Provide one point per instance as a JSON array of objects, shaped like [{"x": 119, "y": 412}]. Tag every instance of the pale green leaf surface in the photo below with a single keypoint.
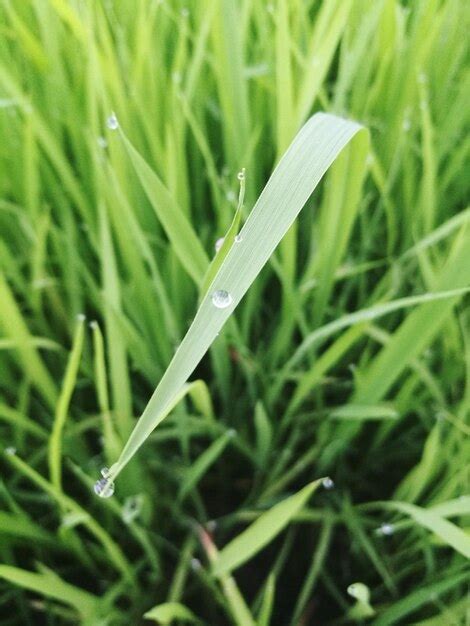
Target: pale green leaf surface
[
  {"x": 311, "y": 153},
  {"x": 164, "y": 613},
  {"x": 451, "y": 534}
]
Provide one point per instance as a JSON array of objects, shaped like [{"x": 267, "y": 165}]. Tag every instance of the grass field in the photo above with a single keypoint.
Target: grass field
[{"x": 308, "y": 463}]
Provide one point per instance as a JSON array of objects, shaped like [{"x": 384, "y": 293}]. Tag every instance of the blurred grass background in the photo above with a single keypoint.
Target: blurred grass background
[{"x": 203, "y": 89}]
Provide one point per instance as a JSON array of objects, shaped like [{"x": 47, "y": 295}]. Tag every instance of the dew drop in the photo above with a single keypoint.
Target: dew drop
[
  {"x": 231, "y": 196},
  {"x": 221, "y": 299},
  {"x": 241, "y": 174},
  {"x": 104, "y": 488},
  {"x": 195, "y": 564},
  {"x": 219, "y": 243},
  {"x": 81, "y": 317},
  {"x": 102, "y": 143},
  {"x": 112, "y": 122},
  {"x": 238, "y": 238},
  {"x": 328, "y": 483},
  {"x": 132, "y": 508},
  {"x": 386, "y": 529},
  {"x": 406, "y": 125},
  {"x": 10, "y": 451},
  {"x": 211, "y": 525}
]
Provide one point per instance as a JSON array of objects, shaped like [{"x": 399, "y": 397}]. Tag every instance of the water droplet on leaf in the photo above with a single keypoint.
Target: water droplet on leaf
[
  {"x": 386, "y": 529},
  {"x": 328, "y": 483},
  {"x": 221, "y": 299},
  {"x": 104, "y": 488},
  {"x": 112, "y": 122}
]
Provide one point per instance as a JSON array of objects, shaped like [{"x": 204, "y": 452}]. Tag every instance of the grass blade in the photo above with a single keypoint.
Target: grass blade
[
  {"x": 262, "y": 531},
  {"x": 311, "y": 153}
]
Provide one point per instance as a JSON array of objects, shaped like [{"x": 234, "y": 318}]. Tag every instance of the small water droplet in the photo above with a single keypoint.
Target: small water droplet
[
  {"x": 185, "y": 12},
  {"x": 221, "y": 299},
  {"x": 105, "y": 472},
  {"x": 102, "y": 143},
  {"x": 241, "y": 174},
  {"x": 238, "y": 238},
  {"x": 176, "y": 77},
  {"x": 10, "y": 451},
  {"x": 196, "y": 564},
  {"x": 231, "y": 196},
  {"x": 328, "y": 483},
  {"x": 132, "y": 508},
  {"x": 211, "y": 525},
  {"x": 386, "y": 529},
  {"x": 81, "y": 317},
  {"x": 406, "y": 125},
  {"x": 231, "y": 433},
  {"x": 93, "y": 324},
  {"x": 104, "y": 488},
  {"x": 219, "y": 243},
  {"x": 112, "y": 122}
]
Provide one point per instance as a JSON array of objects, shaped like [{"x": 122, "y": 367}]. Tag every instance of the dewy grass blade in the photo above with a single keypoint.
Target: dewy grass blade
[{"x": 307, "y": 159}]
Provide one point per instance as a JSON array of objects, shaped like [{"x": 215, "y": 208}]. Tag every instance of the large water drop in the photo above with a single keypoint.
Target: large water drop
[{"x": 221, "y": 299}]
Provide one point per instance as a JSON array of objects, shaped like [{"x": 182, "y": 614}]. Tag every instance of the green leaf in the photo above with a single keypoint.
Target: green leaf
[
  {"x": 266, "y": 610},
  {"x": 364, "y": 412},
  {"x": 229, "y": 239},
  {"x": 48, "y": 584},
  {"x": 263, "y": 433},
  {"x": 451, "y": 534},
  {"x": 309, "y": 156},
  {"x": 262, "y": 531},
  {"x": 165, "y": 613},
  {"x": 182, "y": 237},
  {"x": 203, "y": 463},
  {"x": 403, "y": 607},
  {"x": 68, "y": 385}
]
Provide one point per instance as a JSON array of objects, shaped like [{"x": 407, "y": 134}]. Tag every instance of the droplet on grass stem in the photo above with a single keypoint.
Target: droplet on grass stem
[
  {"x": 328, "y": 483},
  {"x": 219, "y": 243},
  {"x": 221, "y": 299},
  {"x": 104, "y": 487},
  {"x": 112, "y": 122},
  {"x": 238, "y": 238},
  {"x": 195, "y": 564},
  {"x": 386, "y": 529}
]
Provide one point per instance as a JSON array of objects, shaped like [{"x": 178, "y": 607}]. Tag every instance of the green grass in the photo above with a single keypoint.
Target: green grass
[{"x": 348, "y": 357}]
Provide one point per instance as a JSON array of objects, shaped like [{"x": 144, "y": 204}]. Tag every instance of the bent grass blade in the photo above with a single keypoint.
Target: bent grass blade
[{"x": 300, "y": 170}]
